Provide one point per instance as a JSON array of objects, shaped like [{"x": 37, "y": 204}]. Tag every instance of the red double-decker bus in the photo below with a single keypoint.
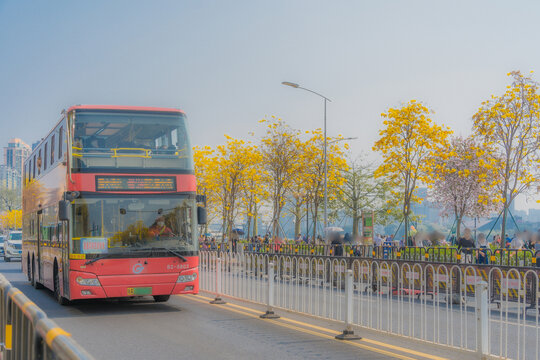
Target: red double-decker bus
[{"x": 110, "y": 207}]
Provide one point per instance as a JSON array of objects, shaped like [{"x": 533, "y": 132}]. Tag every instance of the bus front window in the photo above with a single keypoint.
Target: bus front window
[
  {"x": 124, "y": 139},
  {"x": 122, "y": 224}
]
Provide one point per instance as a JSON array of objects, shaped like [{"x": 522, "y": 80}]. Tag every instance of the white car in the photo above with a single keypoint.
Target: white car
[{"x": 13, "y": 246}]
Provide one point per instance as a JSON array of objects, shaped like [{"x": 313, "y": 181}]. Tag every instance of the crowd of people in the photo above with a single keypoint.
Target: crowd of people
[{"x": 520, "y": 241}]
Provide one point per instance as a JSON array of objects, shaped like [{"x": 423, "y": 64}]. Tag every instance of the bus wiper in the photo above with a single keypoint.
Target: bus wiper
[
  {"x": 175, "y": 253},
  {"x": 97, "y": 258}
]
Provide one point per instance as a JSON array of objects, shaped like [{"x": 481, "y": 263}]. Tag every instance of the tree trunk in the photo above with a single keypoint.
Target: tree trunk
[
  {"x": 298, "y": 220},
  {"x": 315, "y": 213},
  {"x": 458, "y": 228},
  {"x": 407, "y": 242},
  {"x": 248, "y": 226},
  {"x": 356, "y": 218},
  {"x": 224, "y": 226},
  {"x": 503, "y": 226},
  {"x": 255, "y": 225},
  {"x": 275, "y": 219},
  {"x": 307, "y": 218}
]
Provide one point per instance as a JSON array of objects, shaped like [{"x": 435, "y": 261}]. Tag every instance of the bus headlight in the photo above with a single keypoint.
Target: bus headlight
[
  {"x": 186, "y": 278},
  {"x": 87, "y": 282}
]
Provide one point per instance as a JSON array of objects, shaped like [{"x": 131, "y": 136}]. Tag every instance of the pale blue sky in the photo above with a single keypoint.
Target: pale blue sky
[{"x": 223, "y": 61}]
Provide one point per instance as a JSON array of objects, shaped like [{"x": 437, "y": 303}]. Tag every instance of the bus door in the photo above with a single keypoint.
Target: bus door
[
  {"x": 39, "y": 241},
  {"x": 63, "y": 236}
]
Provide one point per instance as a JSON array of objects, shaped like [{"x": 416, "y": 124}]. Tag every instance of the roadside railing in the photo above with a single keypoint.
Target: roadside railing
[
  {"x": 437, "y": 254},
  {"x": 27, "y": 333},
  {"x": 491, "y": 310}
]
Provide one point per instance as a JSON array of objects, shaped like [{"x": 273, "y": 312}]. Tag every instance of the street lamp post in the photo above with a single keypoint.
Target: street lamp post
[{"x": 325, "y": 164}]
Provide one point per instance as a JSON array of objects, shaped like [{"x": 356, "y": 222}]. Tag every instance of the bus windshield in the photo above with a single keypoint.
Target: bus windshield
[
  {"x": 121, "y": 224},
  {"x": 130, "y": 139}
]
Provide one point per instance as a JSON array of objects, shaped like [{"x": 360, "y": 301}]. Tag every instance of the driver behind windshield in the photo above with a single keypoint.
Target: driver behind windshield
[{"x": 159, "y": 228}]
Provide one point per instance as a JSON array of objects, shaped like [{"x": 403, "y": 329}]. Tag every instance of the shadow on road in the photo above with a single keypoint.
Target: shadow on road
[
  {"x": 44, "y": 298},
  {"x": 145, "y": 305},
  {"x": 11, "y": 271}
]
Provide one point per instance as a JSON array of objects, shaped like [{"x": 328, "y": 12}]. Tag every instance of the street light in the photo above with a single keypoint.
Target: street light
[
  {"x": 296, "y": 86},
  {"x": 343, "y": 139}
]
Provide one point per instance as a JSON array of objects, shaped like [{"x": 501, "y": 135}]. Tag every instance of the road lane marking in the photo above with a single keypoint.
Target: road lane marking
[
  {"x": 374, "y": 342},
  {"x": 296, "y": 328}
]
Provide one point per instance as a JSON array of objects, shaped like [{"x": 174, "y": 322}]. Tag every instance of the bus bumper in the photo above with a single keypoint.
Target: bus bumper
[{"x": 118, "y": 286}]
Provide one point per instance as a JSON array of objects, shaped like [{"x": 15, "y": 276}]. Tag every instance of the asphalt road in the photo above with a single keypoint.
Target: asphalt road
[{"x": 186, "y": 327}]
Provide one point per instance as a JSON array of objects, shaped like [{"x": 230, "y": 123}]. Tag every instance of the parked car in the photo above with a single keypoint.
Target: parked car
[
  {"x": 2, "y": 238},
  {"x": 13, "y": 246}
]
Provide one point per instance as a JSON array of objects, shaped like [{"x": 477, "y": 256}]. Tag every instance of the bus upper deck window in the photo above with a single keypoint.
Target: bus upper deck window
[
  {"x": 45, "y": 157},
  {"x": 52, "y": 149},
  {"x": 60, "y": 136},
  {"x": 39, "y": 162}
]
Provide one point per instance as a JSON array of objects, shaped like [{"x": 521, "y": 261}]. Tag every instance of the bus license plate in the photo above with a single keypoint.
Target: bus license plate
[{"x": 139, "y": 291}]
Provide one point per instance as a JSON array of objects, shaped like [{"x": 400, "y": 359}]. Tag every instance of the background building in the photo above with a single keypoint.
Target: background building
[
  {"x": 9, "y": 177},
  {"x": 15, "y": 153}
]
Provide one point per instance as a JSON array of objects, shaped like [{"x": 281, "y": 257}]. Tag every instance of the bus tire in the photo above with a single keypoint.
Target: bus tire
[
  {"x": 161, "y": 298},
  {"x": 34, "y": 282},
  {"x": 59, "y": 298},
  {"x": 28, "y": 269}
]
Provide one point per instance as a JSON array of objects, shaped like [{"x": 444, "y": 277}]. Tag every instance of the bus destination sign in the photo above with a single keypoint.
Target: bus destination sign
[{"x": 135, "y": 183}]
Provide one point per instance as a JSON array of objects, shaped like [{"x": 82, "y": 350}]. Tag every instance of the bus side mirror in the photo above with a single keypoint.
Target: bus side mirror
[
  {"x": 63, "y": 210},
  {"x": 201, "y": 215}
]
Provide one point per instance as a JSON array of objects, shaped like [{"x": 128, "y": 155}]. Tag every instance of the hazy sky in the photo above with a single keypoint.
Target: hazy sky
[{"x": 223, "y": 61}]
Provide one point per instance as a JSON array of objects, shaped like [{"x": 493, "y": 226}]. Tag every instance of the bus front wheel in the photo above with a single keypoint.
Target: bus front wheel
[
  {"x": 59, "y": 298},
  {"x": 161, "y": 298}
]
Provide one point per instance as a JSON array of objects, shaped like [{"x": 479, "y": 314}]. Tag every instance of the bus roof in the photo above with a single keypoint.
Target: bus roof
[{"x": 124, "y": 108}]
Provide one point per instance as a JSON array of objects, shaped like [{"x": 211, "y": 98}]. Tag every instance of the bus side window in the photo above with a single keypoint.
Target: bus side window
[
  {"x": 34, "y": 168},
  {"x": 39, "y": 161},
  {"x": 60, "y": 136},
  {"x": 52, "y": 149},
  {"x": 45, "y": 157}
]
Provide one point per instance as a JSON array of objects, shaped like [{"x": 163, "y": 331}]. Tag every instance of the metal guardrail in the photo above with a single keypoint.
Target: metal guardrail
[
  {"x": 492, "y": 312},
  {"x": 437, "y": 254},
  {"x": 27, "y": 333}
]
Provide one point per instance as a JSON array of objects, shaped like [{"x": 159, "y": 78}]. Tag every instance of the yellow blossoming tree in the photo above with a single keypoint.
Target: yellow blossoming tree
[
  {"x": 279, "y": 158},
  {"x": 313, "y": 152},
  {"x": 11, "y": 219},
  {"x": 510, "y": 124},
  {"x": 408, "y": 144}
]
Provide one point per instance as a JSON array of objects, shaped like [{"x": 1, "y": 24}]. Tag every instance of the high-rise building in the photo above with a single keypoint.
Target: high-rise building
[
  {"x": 14, "y": 156},
  {"x": 15, "y": 153},
  {"x": 10, "y": 178}
]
